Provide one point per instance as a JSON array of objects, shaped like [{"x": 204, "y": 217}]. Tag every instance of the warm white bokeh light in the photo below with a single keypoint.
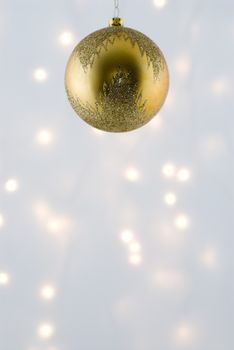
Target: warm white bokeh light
[
  {"x": 183, "y": 174},
  {"x": 168, "y": 170},
  {"x": 46, "y": 330},
  {"x": 44, "y": 137},
  {"x": 11, "y": 185},
  {"x": 2, "y": 220},
  {"x": 182, "y": 222},
  {"x": 208, "y": 258},
  {"x": 168, "y": 279},
  {"x": 40, "y": 74},
  {"x": 132, "y": 174},
  {"x": 58, "y": 224},
  {"x": 66, "y": 38},
  {"x": 135, "y": 259},
  {"x": 183, "y": 65},
  {"x": 4, "y": 278},
  {"x": 170, "y": 198},
  {"x": 184, "y": 334},
  {"x": 48, "y": 292},
  {"x": 220, "y": 86},
  {"x": 126, "y": 236},
  {"x": 160, "y": 3}
]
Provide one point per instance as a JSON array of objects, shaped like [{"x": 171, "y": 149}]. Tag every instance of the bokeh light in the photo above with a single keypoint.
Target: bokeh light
[
  {"x": 132, "y": 174},
  {"x": 66, "y": 38},
  {"x": 48, "y": 292},
  {"x": 44, "y": 137},
  {"x": 168, "y": 170},
  {"x": 135, "y": 259},
  {"x": 46, "y": 330},
  {"x": 2, "y": 220},
  {"x": 126, "y": 236},
  {"x": 183, "y": 174},
  {"x": 170, "y": 198},
  {"x": 160, "y": 3},
  {"x": 182, "y": 222},
  {"x": 12, "y": 185},
  {"x": 40, "y": 75},
  {"x": 4, "y": 278}
]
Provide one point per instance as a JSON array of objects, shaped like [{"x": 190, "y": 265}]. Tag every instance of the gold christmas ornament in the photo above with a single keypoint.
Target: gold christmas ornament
[{"x": 116, "y": 78}]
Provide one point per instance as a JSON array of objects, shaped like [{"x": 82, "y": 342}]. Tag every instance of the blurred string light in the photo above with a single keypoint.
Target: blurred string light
[
  {"x": 134, "y": 247},
  {"x": 208, "y": 258},
  {"x": 2, "y": 220},
  {"x": 168, "y": 170},
  {"x": 4, "y": 278},
  {"x": 47, "y": 292},
  {"x": 66, "y": 38},
  {"x": 182, "y": 65},
  {"x": 44, "y": 137},
  {"x": 11, "y": 185},
  {"x": 46, "y": 330},
  {"x": 220, "y": 86},
  {"x": 160, "y": 3},
  {"x": 170, "y": 198},
  {"x": 135, "y": 259},
  {"x": 184, "y": 334},
  {"x": 40, "y": 74},
  {"x": 182, "y": 222},
  {"x": 132, "y": 174},
  {"x": 183, "y": 174},
  {"x": 126, "y": 236},
  {"x": 168, "y": 279}
]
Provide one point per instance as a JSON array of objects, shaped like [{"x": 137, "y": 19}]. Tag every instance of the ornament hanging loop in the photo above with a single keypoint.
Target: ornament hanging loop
[{"x": 116, "y": 9}]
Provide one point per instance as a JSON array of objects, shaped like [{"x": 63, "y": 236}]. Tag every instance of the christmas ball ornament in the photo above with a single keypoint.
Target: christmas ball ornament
[{"x": 116, "y": 78}]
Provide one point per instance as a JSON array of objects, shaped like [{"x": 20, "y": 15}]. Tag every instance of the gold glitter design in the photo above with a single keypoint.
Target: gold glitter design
[
  {"x": 120, "y": 100},
  {"x": 91, "y": 46}
]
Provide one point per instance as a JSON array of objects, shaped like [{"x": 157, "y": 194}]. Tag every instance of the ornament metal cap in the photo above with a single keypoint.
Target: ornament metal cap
[{"x": 116, "y": 22}]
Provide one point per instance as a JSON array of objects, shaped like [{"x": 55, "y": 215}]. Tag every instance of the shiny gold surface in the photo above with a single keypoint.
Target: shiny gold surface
[
  {"x": 116, "y": 21},
  {"x": 116, "y": 79}
]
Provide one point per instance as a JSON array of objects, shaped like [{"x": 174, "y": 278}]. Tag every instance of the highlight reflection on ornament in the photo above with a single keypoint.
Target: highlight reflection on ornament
[{"x": 116, "y": 78}]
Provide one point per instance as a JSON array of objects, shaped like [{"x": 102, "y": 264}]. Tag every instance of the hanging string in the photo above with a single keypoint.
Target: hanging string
[{"x": 116, "y": 10}]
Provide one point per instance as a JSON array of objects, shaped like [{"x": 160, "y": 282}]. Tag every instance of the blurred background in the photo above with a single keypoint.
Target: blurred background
[{"x": 116, "y": 241}]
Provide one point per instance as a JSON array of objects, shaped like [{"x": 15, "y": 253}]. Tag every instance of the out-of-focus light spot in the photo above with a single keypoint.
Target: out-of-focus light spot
[
  {"x": 44, "y": 137},
  {"x": 132, "y": 174},
  {"x": 66, "y": 38},
  {"x": 47, "y": 292},
  {"x": 208, "y": 258},
  {"x": 134, "y": 247},
  {"x": 11, "y": 185},
  {"x": 135, "y": 259},
  {"x": 184, "y": 334},
  {"x": 168, "y": 170},
  {"x": 160, "y": 3},
  {"x": 182, "y": 222},
  {"x": 220, "y": 86},
  {"x": 170, "y": 198},
  {"x": 40, "y": 74},
  {"x": 169, "y": 279},
  {"x": 126, "y": 236},
  {"x": 41, "y": 210},
  {"x": 183, "y": 174},
  {"x": 183, "y": 65},
  {"x": 2, "y": 221},
  {"x": 4, "y": 278},
  {"x": 46, "y": 330},
  {"x": 58, "y": 224}
]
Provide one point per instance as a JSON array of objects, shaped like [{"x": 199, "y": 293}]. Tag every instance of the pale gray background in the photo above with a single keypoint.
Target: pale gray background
[{"x": 63, "y": 225}]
